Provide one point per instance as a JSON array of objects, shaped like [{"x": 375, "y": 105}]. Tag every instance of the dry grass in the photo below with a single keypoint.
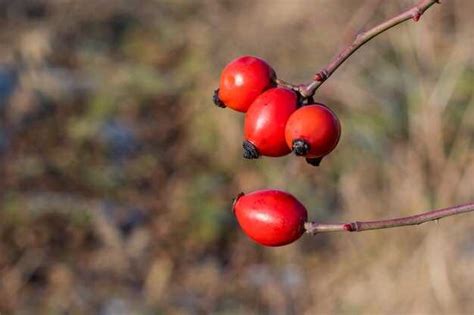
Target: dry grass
[{"x": 117, "y": 172}]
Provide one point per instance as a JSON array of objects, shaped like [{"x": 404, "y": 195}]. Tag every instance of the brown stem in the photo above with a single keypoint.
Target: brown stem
[
  {"x": 413, "y": 13},
  {"x": 288, "y": 85},
  {"x": 359, "y": 226}
]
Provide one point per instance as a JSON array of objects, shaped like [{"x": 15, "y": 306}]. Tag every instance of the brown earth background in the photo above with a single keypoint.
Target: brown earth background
[{"x": 117, "y": 172}]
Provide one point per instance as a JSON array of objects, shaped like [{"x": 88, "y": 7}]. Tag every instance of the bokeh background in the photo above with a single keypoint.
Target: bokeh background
[{"x": 118, "y": 172}]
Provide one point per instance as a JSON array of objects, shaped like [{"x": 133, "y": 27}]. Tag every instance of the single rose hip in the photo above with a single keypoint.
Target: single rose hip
[
  {"x": 313, "y": 131},
  {"x": 242, "y": 80},
  {"x": 270, "y": 217},
  {"x": 265, "y": 123}
]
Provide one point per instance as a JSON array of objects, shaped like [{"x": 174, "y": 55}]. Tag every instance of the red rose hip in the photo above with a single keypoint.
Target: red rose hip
[
  {"x": 265, "y": 123},
  {"x": 242, "y": 80},
  {"x": 313, "y": 131},
  {"x": 270, "y": 217}
]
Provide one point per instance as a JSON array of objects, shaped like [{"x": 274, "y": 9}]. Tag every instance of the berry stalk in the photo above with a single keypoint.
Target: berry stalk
[{"x": 359, "y": 226}]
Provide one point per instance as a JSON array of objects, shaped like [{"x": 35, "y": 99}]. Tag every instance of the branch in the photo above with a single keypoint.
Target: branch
[
  {"x": 413, "y": 13},
  {"x": 359, "y": 226}
]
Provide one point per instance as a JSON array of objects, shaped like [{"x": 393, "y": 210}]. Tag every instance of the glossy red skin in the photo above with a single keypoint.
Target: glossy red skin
[
  {"x": 266, "y": 119},
  {"x": 271, "y": 217},
  {"x": 242, "y": 80},
  {"x": 317, "y": 125}
]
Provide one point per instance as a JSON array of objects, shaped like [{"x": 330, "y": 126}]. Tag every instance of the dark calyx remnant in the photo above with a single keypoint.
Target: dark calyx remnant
[
  {"x": 217, "y": 100},
  {"x": 300, "y": 147},
  {"x": 304, "y": 100},
  {"x": 236, "y": 199},
  {"x": 314, "y": 161},
  {"x": 250, "y": 151}
]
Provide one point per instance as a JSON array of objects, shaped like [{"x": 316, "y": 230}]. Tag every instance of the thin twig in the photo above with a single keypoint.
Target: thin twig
[
  {"x": 359, "y": 226},
  {"x": 288, "y": 85},
  {"x": 413, "y": 13}
]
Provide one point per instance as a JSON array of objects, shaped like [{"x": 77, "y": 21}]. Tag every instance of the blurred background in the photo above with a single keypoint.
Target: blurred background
[{"x": 117, "y": 172}]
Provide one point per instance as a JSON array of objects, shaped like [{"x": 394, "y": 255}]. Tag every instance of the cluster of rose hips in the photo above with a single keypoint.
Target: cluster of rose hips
[{"x": 278, "y": 120}]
